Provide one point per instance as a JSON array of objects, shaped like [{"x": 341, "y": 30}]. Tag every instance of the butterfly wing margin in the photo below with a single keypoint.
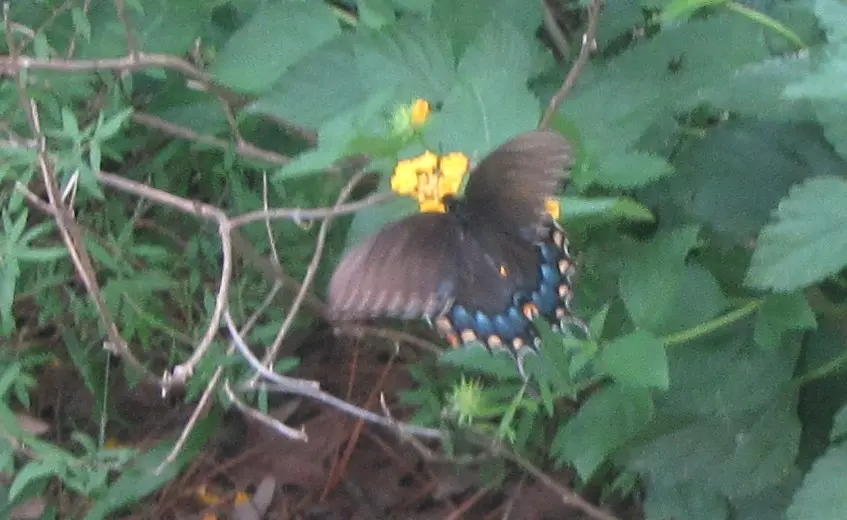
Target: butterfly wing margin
[
  {"x": 510, "y": 187},
  {"x": 407, "y": 269}
]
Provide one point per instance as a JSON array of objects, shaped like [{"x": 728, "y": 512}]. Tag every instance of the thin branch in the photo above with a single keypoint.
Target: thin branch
[
  {"x": 212, "y": 385},
  {"x": 554, "y": 31},
  {"x": 244, "y": 148},
  {"x": 311, "y": 271},
  {"x": 277, "y": 383},
  {"x": 589, "y": 44},
  {"x": 131, "y": 42}
]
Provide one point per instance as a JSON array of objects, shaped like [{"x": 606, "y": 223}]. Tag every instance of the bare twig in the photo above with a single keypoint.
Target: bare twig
[
  {"x": 589, "y": 43},
  {"x": 299, "y": 215},
  {"x": 244, "y": 148},
  {"x": 554, "y": 31},
  {"x": 213, "y": 383},
  {"x": 311, "y": 271},
  {"x": 277, "y": 383},
  {"x": 131, "y": 42}
]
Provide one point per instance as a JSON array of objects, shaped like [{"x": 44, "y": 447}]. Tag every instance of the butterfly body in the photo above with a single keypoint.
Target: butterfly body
[{"x": 482, "y": 270}]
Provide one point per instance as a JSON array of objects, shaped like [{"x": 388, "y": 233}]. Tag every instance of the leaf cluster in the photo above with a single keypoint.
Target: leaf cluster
[{"x": 708, "y": 207}]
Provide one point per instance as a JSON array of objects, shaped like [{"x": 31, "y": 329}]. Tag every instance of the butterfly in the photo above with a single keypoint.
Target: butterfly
[{"x": 481, "y": 271}]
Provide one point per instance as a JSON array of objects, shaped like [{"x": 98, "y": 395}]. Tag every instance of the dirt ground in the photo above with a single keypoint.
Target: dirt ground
[{"x": 347, "y": 470}]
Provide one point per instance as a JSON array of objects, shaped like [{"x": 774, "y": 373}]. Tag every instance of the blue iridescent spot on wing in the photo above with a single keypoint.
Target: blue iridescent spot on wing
[{"x": 512, "y": 328}]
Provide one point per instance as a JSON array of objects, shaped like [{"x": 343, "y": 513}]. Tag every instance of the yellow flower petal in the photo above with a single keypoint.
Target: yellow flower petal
[
  {"x": 426, "y": 161},
  {"x": 454, "y": 166},
  {"x": 420, "y": 112},
  {"x": 429, "y": 205},
  {"x": 405, "y": 178},
  {"x": 553, "y": 208}
]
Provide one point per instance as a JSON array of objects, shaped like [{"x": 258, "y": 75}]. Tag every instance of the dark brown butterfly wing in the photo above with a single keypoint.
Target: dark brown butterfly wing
[
  {"x": 509, "y": 188},
  {"x": 493, "y": 265},
  {"x": 408, "y": 269}
]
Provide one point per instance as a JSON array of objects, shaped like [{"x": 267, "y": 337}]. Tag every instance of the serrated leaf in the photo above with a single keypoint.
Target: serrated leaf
[
  {"x": 808, "y": 242},
  {"x": 822, "y": 496},
  {"x": 832, "y": 14},
  {"x": 637, "y": 360},
  {"x": 276, "y": 37},
  {"x": 714, "y": 173},
  {"x": 491, "y": 101},
  {"x": 734, "y": 456},
  {"x": 650, "y": 280},
  {"x": 757, "y": 89},
  {"x": 462, "y": 21},
  {"x": 606, "y": 421},
  {"x": 781, "y": 313},
  {"x": 658, "y": 78},
  {"x": 829, "y": 81},
  {"x": 411, "y": 56}
]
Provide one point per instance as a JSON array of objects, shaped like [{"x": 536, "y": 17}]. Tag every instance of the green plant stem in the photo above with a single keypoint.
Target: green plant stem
[
  {"x": 767, "y": 21},
  {"x": 713, "y": 325},
  {"x": 822, "y": 371}
]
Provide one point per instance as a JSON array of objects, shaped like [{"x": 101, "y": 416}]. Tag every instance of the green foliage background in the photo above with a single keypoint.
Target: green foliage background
[{"x": 708, "y": 206}]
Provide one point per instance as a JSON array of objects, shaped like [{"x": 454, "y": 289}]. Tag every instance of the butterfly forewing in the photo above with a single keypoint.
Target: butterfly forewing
[
  {"x": 408, "y": 269},
  {"x": 509, "y": 188}
]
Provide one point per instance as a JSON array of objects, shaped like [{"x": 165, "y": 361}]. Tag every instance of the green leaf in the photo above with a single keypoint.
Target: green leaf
[
  {"x": 411, "y": 56},
  {"x": 491, "y": 101},
  {"x": 163, "y": 26},
  {"x": 682, "y": 8},
  {"x": 832, "y": 14},
  {"x": 604, "y": 423},
  {"x": 32, "y": 471},
  {"x": 637, "y": 360},
  {"x": 822, "y": 496},
  {"x": 140, "y": 478},
  {"x": 309, "y": 93},
  {"x": 839, "y": 425},
  {"x": 734, "y": 456},
  {"x": 699, "y": 298},
  {"x": 652, "y": 276},
  {"x": 375, "y": 13},
  {"x": 714, "y": 173},
  {"x": 464, "y": 20},
  {"x": 656, "y": 79},
  {"x": 809, "y": 240},
  {"x": 781, "y": 313},
  {"x": 111, "y": 127},
  {"x": 687, "y": 501},
  {"x": 339, "y": 134},
  {"x": 604, "y": 208},
  {"x": 276, "y": 37},
  {"x": 630, "y": 169}
]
